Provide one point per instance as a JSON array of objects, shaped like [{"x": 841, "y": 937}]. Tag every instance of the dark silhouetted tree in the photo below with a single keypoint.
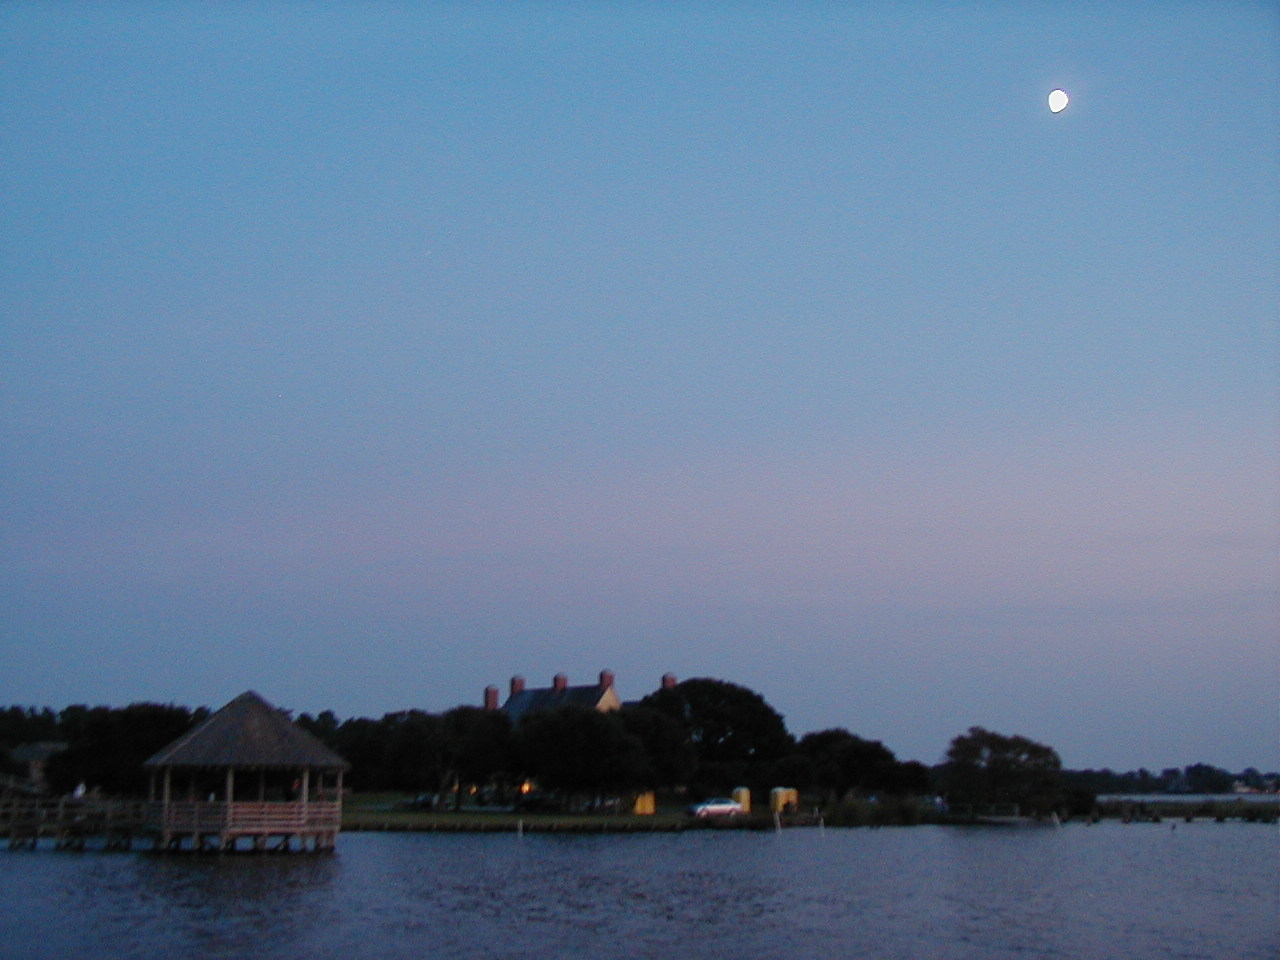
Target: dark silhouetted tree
[
  {"x": 737, "y": 738},
  {"x": 19, "y": 725},
  {"x": 107, "y": 746},
  {"x": 578, "y": 751},
  {"x": 840, "y": 762},
  {"x": 987, "y": 767},
  {"x": 415, "y": 751},
  {"x": 910, "y": 778},
  {"x": 362, "y": 742},
  {"x": 480, "y": 749},
  {"x": 323, "y": 727},
  {"x": 1203, "y": 778},
  {"x": 668, "y": 754}
]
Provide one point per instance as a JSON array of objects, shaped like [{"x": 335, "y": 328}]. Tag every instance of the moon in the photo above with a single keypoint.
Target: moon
[{"x": 1058, "y": 101}]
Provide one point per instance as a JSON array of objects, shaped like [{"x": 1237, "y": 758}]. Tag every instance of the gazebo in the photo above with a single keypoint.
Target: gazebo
[{"x": 246, "y": 772}]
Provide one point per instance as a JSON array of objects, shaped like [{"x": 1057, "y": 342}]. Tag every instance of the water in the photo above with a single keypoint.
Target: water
[
  {"x": 1191, "y": 799},
  {"x": 1200, "y": 890}
]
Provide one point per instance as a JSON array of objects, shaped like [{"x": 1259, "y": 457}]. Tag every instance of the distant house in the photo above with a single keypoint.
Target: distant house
[
  {"x": 523, "y": 700},
  {"x": 36, "y": 756},
  {"x": 246, "y": 772}
]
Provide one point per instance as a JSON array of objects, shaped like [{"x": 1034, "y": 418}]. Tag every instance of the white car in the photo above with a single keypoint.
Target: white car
[{"x": 717, "y": 807}]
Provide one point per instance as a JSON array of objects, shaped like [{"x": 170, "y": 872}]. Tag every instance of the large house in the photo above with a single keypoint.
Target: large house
[{"x": 523, "y": 700}]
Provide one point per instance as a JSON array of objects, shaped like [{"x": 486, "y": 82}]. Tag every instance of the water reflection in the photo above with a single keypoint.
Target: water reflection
[
  {"x": 1143, "y": 892},
  {"x": 227, "y": 906}
]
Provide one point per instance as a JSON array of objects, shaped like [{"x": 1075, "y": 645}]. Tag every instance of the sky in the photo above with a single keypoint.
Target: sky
[{"x": 366, "y": 354}]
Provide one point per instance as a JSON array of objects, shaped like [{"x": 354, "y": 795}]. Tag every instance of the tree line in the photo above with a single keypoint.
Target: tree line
[
  {"x": 1196, "y": 778},
  {"x": 704, "y": 736}
]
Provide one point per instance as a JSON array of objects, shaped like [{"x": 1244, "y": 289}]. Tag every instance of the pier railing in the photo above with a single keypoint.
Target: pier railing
[
  {"x": 244, "y": 818},
  {"x": 24, "y": 820}
]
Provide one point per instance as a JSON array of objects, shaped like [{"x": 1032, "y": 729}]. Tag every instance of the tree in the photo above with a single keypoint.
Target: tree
[
  {"x": 1252, "y": 778},
  {"x": 669, "y": 756},
  {"x": 1203, "y": 778},
  {"x": 20, "y": 725},
  {"x": 480, "y": 748},
  {"x": 577, "y": 750},
  {"x": 107, "y": 747},
  {"x": 735, "y": 735},
  {"x": 987, "y": 767},
  {"x": 910, "y": 779},
  {"x": 840, "y": 762},
  {"x": 361, "y": 741},
  {"x": 414, "y": 754},
  {"x": 323, "y": 727}
]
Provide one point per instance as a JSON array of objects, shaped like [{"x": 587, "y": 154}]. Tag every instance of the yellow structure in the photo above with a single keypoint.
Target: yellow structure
[
  {"x": 646, "y": 805},
  {"x": 743, "y": 796},
  {"x": 784, "y": 800}
]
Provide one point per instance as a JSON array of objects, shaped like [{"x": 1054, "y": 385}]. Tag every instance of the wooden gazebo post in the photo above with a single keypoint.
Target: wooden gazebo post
[{"x": 306, "y": 794}]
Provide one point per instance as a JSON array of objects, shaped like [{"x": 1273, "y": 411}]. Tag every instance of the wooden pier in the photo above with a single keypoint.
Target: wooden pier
[
  {"x": 180, "y": 826},
  {"x": 72, "y": 824},
  {"x": 990, "y": 815}
]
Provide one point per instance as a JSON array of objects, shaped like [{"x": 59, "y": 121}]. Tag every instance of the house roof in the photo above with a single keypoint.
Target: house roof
[
  {"x": 520, "y": 705},
  {"x": 39, "y": 751},
  {"x": 248, "y": 732}
]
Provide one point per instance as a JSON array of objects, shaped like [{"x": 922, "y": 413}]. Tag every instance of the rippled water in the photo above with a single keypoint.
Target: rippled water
[{"x": 1203, "y": 890}]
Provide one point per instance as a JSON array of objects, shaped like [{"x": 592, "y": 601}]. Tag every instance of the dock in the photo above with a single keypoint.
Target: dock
[
  {"x": 72, "y": 824},
  {"x": 116, "y": 824}
]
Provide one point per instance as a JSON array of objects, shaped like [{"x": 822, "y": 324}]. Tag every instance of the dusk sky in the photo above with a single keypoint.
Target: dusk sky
[{"x": 365, "y": 354}]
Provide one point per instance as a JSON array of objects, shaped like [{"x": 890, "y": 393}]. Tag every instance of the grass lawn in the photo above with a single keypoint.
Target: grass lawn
[{"x": 383, "y": 811}]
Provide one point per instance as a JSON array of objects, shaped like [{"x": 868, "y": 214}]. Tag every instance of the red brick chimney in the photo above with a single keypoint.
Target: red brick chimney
[
  {"x": 491, "y": 698},
  {"x": 517, "y": 684},
  {"x": 668, "y": 681},
  {"x": 559, "y": 683},
  {"x": 606, "y": 679}
]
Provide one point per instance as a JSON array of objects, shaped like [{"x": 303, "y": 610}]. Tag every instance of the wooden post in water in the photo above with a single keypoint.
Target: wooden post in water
[{"x": 166, "y": 834}]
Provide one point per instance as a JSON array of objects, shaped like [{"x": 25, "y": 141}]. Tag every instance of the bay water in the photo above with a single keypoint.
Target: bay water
[{"x": 1138, "y": 891}]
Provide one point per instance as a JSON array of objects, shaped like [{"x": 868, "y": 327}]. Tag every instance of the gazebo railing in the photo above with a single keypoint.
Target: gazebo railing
[{"x": 245, "y": 817}]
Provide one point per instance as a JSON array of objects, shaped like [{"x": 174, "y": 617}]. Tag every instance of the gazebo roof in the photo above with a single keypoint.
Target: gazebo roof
[{"x": 248, "y": 732}]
